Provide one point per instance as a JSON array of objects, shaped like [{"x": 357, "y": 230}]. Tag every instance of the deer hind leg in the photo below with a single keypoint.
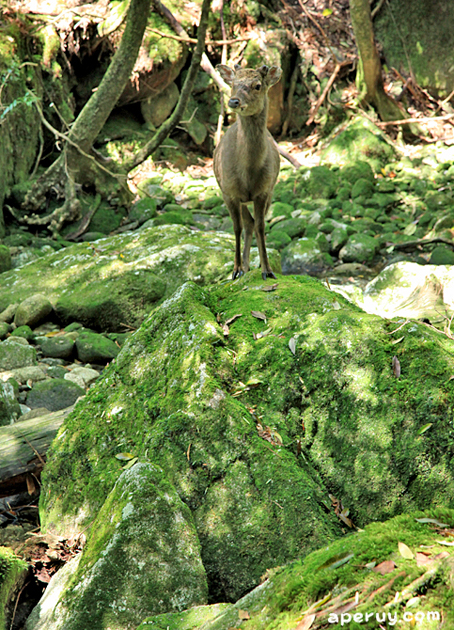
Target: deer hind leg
[
  {"x": 248, "y": 223},
  {"x": 235, "y": 214},
  {"x": 261, "y": 206}
]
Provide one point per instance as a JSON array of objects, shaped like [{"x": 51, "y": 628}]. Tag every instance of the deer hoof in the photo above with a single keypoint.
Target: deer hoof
[
  {"x": 268, "y": 274},
  {"x": 237, "y": 273}
]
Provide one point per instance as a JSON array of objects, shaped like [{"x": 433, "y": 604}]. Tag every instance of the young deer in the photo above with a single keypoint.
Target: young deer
[{"x": 246, "y": 161}]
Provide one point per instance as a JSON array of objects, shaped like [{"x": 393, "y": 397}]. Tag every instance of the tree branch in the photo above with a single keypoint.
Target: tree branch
[{"x": 170, "y": 124}]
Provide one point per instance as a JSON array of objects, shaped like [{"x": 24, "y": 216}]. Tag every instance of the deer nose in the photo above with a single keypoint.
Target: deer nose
[{"x": 234, "y": 103}]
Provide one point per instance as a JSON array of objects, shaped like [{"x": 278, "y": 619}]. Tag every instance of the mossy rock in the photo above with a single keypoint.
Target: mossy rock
[
  {"x": 121, "y": 280},
  {"x": 362, "y": 188},
  {"x": 355, "y": 171},
  {"x": 5, "y": 258},
  {"x": 339, "y": 586},
  {"x": 442, "y": 256},
  {"x": 361, "y": 140},
  {"x": 13, "y": 571},
  {"x": 304, "y": 255},
  {"x": 322, "y": 182},
  {"x": 278, "y": 239}
]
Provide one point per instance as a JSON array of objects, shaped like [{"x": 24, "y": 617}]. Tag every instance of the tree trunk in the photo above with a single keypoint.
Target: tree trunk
[
  {"x": 369, "y": 77},
  {"x": 75, "y": 165}
]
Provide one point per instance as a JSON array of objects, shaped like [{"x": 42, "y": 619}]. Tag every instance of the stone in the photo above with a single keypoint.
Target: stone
[
  {"x": 16, "y": 354},
  {"x": 4, "y": 329},
  {"x": 85, "y": 375},
  {"x": 442, "y": 256},
  {"x": 7, "y": 315},
  {"x": 54, "y": 394},
  {"x": 95, "y": 348},
  {"x": 143, "y": 210},
  {"x": 362, "y": 188},
  {"x": 9, "y": 407},
  {"x": 33, "y": 310},
  {"x": 322, "y": 182},
  {"x": 142, "y": 559},
  {"x": 5, "y": 258},
  {"x": 339, "y": 236},
  {"x": 34, "y": 373},
  {"x": 156, "y": 109},
  {"x": 56, "y": 371},
  {"x": 278, "y": 208},
  {"x": 23, "y": 331},
  {"x": 305, "y": 256},
  {"x": 359, "y": 248},
  {"x": 294, "y": 227},
  {"x": 57, "y": 347},
  {"x": 29, "y": 414}
]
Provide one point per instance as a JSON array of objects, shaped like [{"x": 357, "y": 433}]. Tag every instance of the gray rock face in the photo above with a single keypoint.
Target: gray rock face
[
  {"x": 54, "y": 394},
  {"x": 15, "y": 352},
  {"x": 9, "y": 407},
  {"x": 143, "y": 559},
  {"x": 32, "y": 311}
]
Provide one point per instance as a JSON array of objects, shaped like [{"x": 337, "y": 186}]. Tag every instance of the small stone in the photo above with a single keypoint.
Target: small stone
[
  {"x": 54, "y": 394},
  {"x": 32, "y": 311},
  {"x": 33, "y": 413},
  {"x": 56, "y": 371},
  {"x": 33, "y": 373},
  {"x": 304, "y": 256},
  {"x": 359, "y": 248},
  {"x": 58, "y": 347},
  {"x": 15, "y": 352},
  {"x": 94, "y": 348},
  {"x": 4, "y": 329},
  {"x": 85, "y": 374},
  {"x": 442, "y": 256},
  {"x": 9, "y": 407},
  {"x": 24, "y": 331},
  {"x": 8, "y": 314},
  {"x": 5, "y": 258}
]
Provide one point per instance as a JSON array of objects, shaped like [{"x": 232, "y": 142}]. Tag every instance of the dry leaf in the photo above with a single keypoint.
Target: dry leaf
[
  {"x": 432, "y": 521},
  {"x": 271, "y": 287},
  {"x": 306, "y": 623},
  {"x": 292, "y": 345},
  {"x": 125, "y": 457},
  {"x": 425, "y": 428},
  {"x": 398, "y": 340},
  {"x": 259, "y": 315},
  {"x": 232, "y": 319},
  {"x": 31, "y": 486},
  {"x": 396, "y": 367},
  {"x": 445, "y": 543},
  {"x": 243, "y": 614},
  {"x": 422, "y": 559},
  {"x": 385, "y": 567},
  {"x": 405, "y": 551}
]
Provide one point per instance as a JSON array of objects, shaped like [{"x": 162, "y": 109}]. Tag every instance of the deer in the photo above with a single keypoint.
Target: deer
[{"x": 246, "y": 161}]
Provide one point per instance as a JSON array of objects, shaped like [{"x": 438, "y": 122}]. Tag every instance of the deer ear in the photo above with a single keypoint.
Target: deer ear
[
  {"x": 263, "y": 71},
  {"x": 226, "y": 73},
  {"x": 274, "y": 75}
]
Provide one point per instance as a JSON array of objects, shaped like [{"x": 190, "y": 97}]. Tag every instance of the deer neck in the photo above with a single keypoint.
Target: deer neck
[{"x": 252, "y": 135}]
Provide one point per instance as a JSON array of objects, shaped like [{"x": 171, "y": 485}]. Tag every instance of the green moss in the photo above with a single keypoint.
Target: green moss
[{"x": 12, "y": 572}]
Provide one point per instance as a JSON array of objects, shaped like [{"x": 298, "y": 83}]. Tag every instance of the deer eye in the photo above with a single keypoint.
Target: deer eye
[{"x": 257, "y": 87}]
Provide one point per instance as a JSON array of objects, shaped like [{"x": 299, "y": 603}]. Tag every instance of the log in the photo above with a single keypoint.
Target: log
[{"x": 23, "y": 448}]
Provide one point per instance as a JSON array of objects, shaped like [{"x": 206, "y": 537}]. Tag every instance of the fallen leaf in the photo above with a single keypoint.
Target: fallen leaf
[
  {"x": 405, "y": 551},
  {"x": 124, "y": 456},
  {"x": 442, "y": 555},
  {"x": 131, "y": 463},
  {"x": 385, "y": 567},
  {"x": 396, "y": 367},
  {"x": 336, "y": 561},
  {"x": 232, "y": 319},
  {"x": 432, "y": 521},
  {"x": 259, "y": 335},
  {"x": 422, "y": 559},
  {"x": 410, "y": 229},
  {"x": 306, "y": 623},
  {"x": 445, "y": 543},
  {"x": 243, "y": 614},
  {"x": 292, "y": 345},
  {"x": 259, "y": 315},
  {"x": 398, "y": 340},
  {"x": 425, "y": 428},
  {"x": 271, "y": 287}
]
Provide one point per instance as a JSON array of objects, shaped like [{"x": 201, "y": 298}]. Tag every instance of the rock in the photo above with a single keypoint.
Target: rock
[
  {"x": 442, "y": 256},
  {"x": 278, "y": 208},
  {"x": 361, "y": 140},
  {"x": 54, "y": 394},
  {"x": 4, "y": 329},
  {"x": 33, "y": 413},
  {"x": 278, "y": 239},
  {"x": 32, "y": 310},
  {"x": 143, "y": 558},
  {"x": 108, "y": 290},
  {"x": 14, "y": 573},
  {"x": 156, "y": 109},
  {"x": 362, "y": 188},
  {"x": 85, "y": 376},
  {"x": 94, "y": 348},
  {"x": 23, "y": 331},
  {"x": 9, "y": 407},
  {"x": 143, "y": 210},
  {"x": 339, "y": 236},
  {"x": 5, "y": 258},
  {"x": 56, "y": 371},
  {"x": 7, "y": 315},
  {"x": 293, "y": 227},
  {"x": 322, "y": 182},
  {"x": 359, "y": 248},
  {"x": 33, "y": 373},
  {"x": 57, "y": 347},
  {"x": 304, "y": 256},
  {"x": 195, "y": 617},
  {"x": 15, "y": 352},
  {"x": 409, "y": 290}
]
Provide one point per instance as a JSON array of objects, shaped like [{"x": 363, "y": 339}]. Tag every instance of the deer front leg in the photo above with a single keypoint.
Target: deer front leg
[
  {"x": 248, "y": 223},
  {"x": 234, "y": 210},
  {"x": 260, "y": 208}
]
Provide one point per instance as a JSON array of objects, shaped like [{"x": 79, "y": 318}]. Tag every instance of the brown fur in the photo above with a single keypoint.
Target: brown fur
[{"x": 246, "y": 161}]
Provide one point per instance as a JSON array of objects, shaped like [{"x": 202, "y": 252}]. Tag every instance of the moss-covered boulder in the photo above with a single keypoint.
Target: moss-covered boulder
[
  {"x": 392, "y": 574},
  {"x": 143, "y": 558},
  {"x": 304, "y": 255},
  {"x": 256, "y": 401},
  {"x": 359, "y": 248},
  {"x": 361, "y": 140},
  {"x": 118, "y": 281}
]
